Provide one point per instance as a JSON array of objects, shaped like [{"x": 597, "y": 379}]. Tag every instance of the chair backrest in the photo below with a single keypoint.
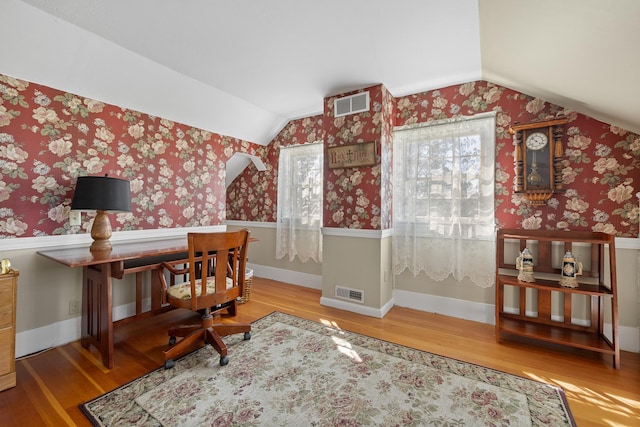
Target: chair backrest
[{"x": 219, "y": 258}]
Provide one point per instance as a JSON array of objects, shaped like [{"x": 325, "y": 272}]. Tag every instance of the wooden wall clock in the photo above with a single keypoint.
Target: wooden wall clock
[{"x": 538, "y": 158}]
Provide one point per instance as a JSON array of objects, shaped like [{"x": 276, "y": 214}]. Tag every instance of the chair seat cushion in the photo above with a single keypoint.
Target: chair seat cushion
[{"x": 183, "y": 290}]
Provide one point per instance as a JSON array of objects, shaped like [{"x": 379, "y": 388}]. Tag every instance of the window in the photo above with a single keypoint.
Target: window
[
  {"x": 299, "y": 211},
  {"x": 444, "y": 199}
]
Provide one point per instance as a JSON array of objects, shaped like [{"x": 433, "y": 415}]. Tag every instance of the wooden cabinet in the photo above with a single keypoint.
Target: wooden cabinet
[
  {"x": 584, "y": 317},
  {"x": 8, "y": 290}
]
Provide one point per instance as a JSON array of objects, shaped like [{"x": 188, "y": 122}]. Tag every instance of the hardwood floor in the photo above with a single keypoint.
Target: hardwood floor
[{"x": 52, "y": 384}]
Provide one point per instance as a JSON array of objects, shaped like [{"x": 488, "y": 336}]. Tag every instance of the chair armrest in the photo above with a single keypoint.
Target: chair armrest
[{"x": 172, "y": 266}]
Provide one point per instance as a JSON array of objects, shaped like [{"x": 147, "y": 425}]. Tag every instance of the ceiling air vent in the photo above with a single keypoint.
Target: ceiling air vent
[
  {"x": 351, "y": 104},
  {"x": 350, "y": 294}
]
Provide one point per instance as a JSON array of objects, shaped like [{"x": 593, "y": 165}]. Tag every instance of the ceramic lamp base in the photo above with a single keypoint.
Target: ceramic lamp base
[{"x": 101, "y": 232}]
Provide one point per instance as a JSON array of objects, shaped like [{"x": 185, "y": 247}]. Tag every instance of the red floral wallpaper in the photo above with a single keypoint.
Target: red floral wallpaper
[
  {"x": 354, "y": 196},
  {"x": 48, "y": 138},
  {"x": 601, "y": 166},
  {"x": 253, "y": 195}
]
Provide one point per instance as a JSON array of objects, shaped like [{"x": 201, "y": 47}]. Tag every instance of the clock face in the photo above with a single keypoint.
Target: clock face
[{"x": 537, "y": 141}]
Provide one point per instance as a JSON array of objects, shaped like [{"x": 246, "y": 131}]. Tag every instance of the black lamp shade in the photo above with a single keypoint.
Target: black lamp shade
[{"x": 101, "y": 193}]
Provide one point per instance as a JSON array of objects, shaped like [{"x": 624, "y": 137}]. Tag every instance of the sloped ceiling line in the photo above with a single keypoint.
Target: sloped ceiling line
[{"x": 243, "y": 69}]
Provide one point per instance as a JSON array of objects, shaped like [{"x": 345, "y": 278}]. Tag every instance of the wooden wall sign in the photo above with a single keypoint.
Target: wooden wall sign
[{"x": 350, "y": 156}]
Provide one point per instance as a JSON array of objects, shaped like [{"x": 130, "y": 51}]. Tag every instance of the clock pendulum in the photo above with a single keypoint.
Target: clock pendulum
[{"x": 534, "y": 177}]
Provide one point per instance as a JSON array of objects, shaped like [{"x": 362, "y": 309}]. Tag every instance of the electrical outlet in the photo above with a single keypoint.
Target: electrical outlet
[
  {"x": 74, "y": 306},
  {"x": 74, "y": 218}
]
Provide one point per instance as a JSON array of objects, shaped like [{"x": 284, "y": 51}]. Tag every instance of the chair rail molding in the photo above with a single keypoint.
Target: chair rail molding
[{"x": 41, "y": 242}]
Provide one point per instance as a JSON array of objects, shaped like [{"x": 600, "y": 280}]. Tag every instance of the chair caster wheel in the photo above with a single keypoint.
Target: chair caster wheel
[
  {"x": 247, "y": 336},
  {"x": 224, "y": 360},
  {"x": 172, "y": 340},
  {"x": 169, "y": 364}
]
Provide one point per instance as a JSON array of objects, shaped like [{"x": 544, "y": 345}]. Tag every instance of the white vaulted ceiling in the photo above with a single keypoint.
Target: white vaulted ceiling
[{"x": 244, "y": 68}]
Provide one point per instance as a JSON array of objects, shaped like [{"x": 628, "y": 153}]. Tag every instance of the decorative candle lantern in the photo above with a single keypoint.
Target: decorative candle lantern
[
  {"x": 5, "y": 266},
  {"x": 524, "y": 263},
  {"x": 570, "y": 269}
]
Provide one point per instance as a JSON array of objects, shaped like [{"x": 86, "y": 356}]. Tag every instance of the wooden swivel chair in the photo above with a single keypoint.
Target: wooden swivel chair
[{"x": 215, "y": 276}]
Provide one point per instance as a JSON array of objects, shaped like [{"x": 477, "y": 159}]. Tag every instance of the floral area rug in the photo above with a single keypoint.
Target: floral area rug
[{"x": 295, "y": 372}]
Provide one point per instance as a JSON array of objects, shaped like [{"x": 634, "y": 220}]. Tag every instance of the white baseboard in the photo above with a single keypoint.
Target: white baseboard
[
  {"x": 306, "y": 280},
  {"x": 45, "y": 337},
  {"x": 357, "y": 308},
  {"x": 315, "y": 282},
  {"x": 477, "y": 312},
  {"x": 67, "y": 331},
  {"x": 629, "y": 338},
  {"x": 485, "y": 313}
]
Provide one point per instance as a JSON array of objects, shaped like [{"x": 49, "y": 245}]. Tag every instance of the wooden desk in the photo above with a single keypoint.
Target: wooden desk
[{"x": 99, "y": 268}]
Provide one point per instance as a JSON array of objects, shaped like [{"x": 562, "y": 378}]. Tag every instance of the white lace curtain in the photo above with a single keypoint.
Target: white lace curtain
[
  {"x": 443, "y": 199},
  {"x": 299, "y": 212}
]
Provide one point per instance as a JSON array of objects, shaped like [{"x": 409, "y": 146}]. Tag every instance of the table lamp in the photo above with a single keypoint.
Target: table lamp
[{"x": 102, "y": 194}]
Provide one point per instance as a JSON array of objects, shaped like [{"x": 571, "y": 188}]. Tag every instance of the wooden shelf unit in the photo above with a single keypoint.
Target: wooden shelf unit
[
  {"x": 544, "y": 310},
  {"x": 8, "y": 291}
]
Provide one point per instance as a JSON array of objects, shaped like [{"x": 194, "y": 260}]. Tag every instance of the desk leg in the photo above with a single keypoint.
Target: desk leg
[
  {"x": 157, "y": 298},
  {"x": 97, "y": 325}
]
